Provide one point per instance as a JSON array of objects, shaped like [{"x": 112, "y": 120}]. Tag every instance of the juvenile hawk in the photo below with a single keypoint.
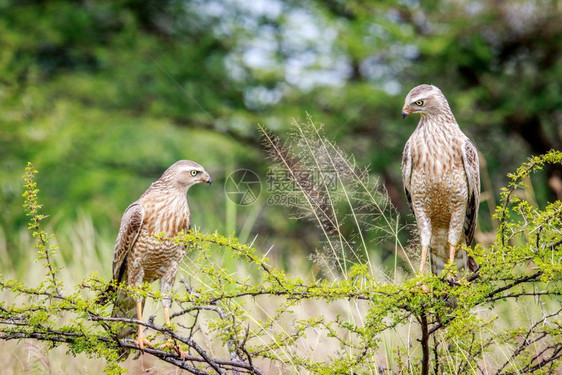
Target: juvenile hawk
[
  {"x": 139, "y": 256},
  {"x": 441, "y": 177}
]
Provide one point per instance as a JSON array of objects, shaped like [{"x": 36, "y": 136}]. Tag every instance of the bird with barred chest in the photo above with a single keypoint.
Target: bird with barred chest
[
  {"x": 139, "y": 256},
  {"x": 440, "y": 173}
]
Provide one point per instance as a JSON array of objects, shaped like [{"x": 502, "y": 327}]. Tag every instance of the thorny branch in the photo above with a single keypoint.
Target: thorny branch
[{"x": 527, "y": 341}]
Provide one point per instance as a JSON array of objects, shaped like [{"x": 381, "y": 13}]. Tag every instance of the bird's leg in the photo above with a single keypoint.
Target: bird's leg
[
  {"x": 171, "y": 343},
  {"x": 422, "y": 266},
  {"x": 167, "y": 315},
  {"x": 452, "y": 254},
  {"x": 423, "y": 258},
  {"x": 141, "y": 340}
]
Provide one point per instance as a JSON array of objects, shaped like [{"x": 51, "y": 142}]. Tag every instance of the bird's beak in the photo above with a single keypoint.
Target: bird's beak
[
  {"x": 207, "y": 179},
  {"x": 405, "y": 112}
]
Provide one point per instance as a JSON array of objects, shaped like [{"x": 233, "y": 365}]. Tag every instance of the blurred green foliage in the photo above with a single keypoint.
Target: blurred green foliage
[{"x": 102, "y": 96}]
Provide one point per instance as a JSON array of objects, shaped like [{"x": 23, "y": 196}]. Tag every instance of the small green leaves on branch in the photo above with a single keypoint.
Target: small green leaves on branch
[{"x": 45, "y": 250}]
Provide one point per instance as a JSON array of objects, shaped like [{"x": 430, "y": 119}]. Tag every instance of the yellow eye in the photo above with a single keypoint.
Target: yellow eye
[
  {"x": 419, "y": 103},
  {"x": 194, "y": 173}
]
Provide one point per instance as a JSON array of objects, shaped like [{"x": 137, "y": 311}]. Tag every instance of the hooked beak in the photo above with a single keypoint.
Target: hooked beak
[
  {"x": 207, "y": 179},
  {"x": 405, "y": 113}
]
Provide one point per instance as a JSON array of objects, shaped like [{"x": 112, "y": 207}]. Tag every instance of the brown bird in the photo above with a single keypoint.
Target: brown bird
[
  {"x": 441, "y": 177},
  {"x": 139, "y": 256}
]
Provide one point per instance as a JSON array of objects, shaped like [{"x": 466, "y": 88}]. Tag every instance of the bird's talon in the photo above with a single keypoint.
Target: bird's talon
[
  {"x": 141, "y": 342},
  {"x": 453, "y": 281},
  {"x": 171, "y": 344}
]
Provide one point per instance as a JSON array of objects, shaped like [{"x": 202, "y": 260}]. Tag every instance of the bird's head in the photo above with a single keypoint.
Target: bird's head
[
  {"x": 425, "y": 100},
  {"x": 185, "y": 173}
]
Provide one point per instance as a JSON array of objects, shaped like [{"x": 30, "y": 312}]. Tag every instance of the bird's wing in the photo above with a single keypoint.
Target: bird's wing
[
  {"x": 131, "y": 224},
  {"x": 407, "y": 172},
  {"x": 472, "y": 171}
]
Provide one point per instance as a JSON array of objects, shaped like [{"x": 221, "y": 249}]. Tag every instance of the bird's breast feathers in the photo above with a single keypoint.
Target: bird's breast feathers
[
  {"x": 169, "y": 214},
  {"x": 436, "y": 148},
  {"x": 437, "y": 177}
]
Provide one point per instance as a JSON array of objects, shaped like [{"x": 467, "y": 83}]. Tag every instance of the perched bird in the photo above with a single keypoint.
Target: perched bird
[
  {"x": 441, "y": 177},
  {"x": 139, "y": 256}
]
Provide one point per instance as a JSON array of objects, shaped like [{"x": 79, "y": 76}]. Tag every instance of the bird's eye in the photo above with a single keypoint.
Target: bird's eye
[
  {"x": 419, "y": 103},
  {"x": 194, "y": 173}
]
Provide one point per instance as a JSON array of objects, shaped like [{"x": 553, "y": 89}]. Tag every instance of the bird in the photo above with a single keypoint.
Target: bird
[
  {"x": 441, "y": 178},
  {"x": 139, "y": 256}
]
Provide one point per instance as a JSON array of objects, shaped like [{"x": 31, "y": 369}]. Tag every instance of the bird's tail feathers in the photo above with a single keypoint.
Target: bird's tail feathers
[
  {"x": 464, "y": 264},
  {"x": 125, "y": 306},
  {"x": 439, "y": 259},
  {"x": 437, "y": 263}
]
